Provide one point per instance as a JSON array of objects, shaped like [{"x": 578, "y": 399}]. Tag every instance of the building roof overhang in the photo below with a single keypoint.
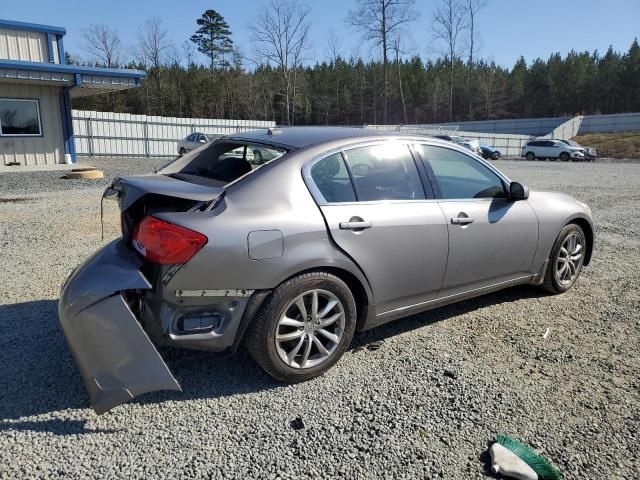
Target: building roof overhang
[{"x": 82, "y": 80}]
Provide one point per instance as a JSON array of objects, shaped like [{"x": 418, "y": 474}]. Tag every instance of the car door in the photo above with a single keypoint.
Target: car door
[
  {"x": 373, "y": 200},
  {"x": 492, "y": 239},
  {"x": 552, "y": 149},
  {"x": 190, "y": 141}
]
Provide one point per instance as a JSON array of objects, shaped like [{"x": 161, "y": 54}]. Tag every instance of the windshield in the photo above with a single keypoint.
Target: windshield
[
  {"x": 572, "y": 143},
  {"x": 222, "y": 161}
]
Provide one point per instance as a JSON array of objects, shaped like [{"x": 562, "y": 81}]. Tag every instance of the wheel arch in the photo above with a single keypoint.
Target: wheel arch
[
  {"x": 362, "y": 296},
  {"x": 587, "y": 228},
  {"x": 361, "y": 293}
]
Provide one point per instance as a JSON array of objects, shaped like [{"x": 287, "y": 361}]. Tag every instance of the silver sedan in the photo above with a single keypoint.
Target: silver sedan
[
  {"x": 193, "y": 141},
  {"x": 327, "y": 232}
]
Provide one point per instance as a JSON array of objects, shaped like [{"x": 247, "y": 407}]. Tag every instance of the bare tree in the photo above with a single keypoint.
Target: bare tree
[
  {"x": 378, "y": 21},
  {"x": 103, "y": 44},
  {"x": 281, "y": 35},
  {"x": 472, "y": 8},
  {"x": 153, "y": 45},
  {"x": 153, "y": 42},
  {"x": 396, "y": 49},
  {"x": 448, "y": 23},
  {"x": 189, "y": 52},
  {"x": 334, "y": 46}
]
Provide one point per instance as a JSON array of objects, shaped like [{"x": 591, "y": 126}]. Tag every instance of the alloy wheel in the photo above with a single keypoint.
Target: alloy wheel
[
  {"x": 310, "y": 329},
  {"x": 569, "y": 259}
]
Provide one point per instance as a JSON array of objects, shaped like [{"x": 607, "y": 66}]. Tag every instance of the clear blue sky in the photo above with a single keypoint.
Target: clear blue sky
[{"x": 508, "y": 28}]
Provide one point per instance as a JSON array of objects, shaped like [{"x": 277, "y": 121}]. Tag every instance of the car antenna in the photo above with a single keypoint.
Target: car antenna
[{"x": 273, "y": 131}]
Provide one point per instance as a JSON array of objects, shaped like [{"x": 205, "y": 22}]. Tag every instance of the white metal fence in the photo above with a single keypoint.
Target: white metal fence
[
  {"x": 619, "y": 122},
  {"x": 123, "y": 135},
  {"x": 509, "y": 145}
]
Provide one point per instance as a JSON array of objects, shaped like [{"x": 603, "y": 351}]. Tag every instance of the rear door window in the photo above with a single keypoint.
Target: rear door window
[
  {"x": 384, "y": 172},
  {"x": 331, "y": 177}
]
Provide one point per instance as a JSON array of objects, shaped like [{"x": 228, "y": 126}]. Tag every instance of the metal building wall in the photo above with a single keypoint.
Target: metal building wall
[
  {"x": 25, "y": 45},
  {"x": 45, "y": 150}
]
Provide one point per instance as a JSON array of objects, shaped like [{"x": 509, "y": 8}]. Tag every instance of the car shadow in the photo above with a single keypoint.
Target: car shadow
[
  {"x": 39, "y": 376},
  {"x": 403, "y": 325}
]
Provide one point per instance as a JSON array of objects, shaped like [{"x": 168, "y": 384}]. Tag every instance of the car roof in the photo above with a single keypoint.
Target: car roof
[{"x": 301, "y": 137}]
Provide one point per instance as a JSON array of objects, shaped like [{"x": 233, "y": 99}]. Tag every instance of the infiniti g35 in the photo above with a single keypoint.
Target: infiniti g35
[{"x": 332, "y": 231}]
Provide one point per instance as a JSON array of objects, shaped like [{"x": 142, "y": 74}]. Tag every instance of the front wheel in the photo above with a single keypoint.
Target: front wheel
[
  {"x": 566, "y": 260},
  {"x": 303, "y": 328},
  {"x": 531, "y": 156},
  {"x": 564, "y": 156}
]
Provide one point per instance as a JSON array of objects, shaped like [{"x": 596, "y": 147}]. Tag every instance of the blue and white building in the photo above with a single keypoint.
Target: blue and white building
[{"x": 36, "y": 89}]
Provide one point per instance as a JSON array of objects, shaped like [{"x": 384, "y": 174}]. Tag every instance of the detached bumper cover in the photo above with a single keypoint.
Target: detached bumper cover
[{"x": 116, "y": 358}]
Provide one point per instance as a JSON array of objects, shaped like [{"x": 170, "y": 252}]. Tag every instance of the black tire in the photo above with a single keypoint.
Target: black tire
[
  {"x": 261, "y": 338},
  {"x": 182, "y": 151},
  {"x": 495, "y": 156},
  {"x": 564, "y": 156},
  {"x": 530, "y": 156},
  {"x": 551, "y": 282}
]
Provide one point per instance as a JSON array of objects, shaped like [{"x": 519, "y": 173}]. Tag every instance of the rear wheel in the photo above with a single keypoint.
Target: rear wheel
[
  {"x": 564, "y": 156},
  {"x": 303, "y": 328},
  {"x": 531, "y": 156},
  {"x": 566, "y": 260},
  {"x": 182, "y": 151}
]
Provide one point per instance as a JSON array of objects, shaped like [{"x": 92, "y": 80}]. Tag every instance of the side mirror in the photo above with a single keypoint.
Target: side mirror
[
  {"x": 518, "y": 191},
  {"x": 202, "y": 140}
]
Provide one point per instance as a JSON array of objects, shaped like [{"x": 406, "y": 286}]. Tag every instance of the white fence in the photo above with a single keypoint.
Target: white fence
[
  {"x": 509, "y": 145},
  {"x": 619, "y": 122},
  {"x": 123, "y": 135}
]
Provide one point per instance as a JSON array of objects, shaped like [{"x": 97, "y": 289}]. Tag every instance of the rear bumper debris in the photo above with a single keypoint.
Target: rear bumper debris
[{"x": 116, "y": 358}]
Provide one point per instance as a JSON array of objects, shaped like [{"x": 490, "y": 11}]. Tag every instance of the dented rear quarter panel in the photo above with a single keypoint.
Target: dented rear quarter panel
[{"x": 253, "y": 205}]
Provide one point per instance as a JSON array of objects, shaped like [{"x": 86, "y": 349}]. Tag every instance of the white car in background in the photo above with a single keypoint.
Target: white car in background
[{"x": 552, "y": 150}]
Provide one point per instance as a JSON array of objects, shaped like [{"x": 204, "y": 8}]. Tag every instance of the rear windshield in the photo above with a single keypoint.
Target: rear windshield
[{"x": 222, "y": 162}]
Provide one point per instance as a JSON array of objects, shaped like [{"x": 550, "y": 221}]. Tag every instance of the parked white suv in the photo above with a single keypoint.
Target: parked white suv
[{"x": 552, "y": 150}]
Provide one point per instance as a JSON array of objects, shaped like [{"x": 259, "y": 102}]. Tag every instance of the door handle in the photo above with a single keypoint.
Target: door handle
[
  {"x": 360, "y": 225},
  {"x": 461, "y": 220}
]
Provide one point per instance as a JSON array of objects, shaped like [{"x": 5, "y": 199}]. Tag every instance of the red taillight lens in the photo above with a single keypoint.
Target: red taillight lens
[{"x": 165, "y": 243}]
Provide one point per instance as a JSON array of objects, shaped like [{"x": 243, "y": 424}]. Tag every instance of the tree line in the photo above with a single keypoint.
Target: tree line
[{"x": 276, "y": 81}]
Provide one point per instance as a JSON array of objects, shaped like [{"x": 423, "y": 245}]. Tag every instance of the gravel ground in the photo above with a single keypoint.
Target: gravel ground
[{"x": 420, "y": 397}]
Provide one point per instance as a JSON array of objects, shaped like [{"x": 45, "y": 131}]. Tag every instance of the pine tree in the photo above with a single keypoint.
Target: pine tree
[{"x": 213, "y": 39}]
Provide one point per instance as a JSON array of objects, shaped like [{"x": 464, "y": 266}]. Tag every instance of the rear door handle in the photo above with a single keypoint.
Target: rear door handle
[
  {"x": 461, "y": 220},
  {"x": 361, "y": 225}
]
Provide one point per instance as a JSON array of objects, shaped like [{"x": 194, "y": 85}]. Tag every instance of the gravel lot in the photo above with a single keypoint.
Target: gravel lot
[{"x": 424, "y": 404}]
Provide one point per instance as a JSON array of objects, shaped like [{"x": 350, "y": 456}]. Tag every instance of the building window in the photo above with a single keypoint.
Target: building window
[{"x": 20, "y": 117}]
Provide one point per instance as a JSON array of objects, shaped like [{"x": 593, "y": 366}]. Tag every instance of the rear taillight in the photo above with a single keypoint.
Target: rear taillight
[{"x": 165, "y": 243}]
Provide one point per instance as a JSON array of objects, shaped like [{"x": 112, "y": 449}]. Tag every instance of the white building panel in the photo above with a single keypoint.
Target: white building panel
[{"x": 23, "y": 45}]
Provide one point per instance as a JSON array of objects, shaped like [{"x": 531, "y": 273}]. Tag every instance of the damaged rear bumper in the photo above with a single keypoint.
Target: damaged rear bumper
[{"x": 116, "y": 358}]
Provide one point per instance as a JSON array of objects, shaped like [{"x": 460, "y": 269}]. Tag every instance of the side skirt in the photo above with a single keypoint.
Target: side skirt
[{"x": 386, "y": 317}]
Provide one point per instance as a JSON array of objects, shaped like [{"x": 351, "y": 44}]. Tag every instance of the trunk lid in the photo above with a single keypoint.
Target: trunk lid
[
  {"x": 139, "y": 196},
  {"x": 130, "y": 189}
]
